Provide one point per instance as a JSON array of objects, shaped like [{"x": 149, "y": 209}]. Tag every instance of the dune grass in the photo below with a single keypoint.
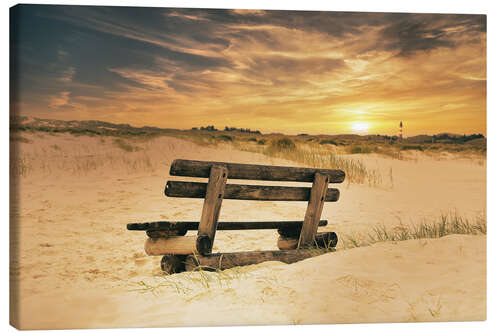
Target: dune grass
[
  {"x": 317, "y": 157},
  {"x": 360, "y": 150},
  {"x": 19, "y": 167},
  {"x": 224, "y": 137},
  {"x": 191, "y": 284},
  {"x": 199, "y": 281},
  {"x": 447, "y": 224},
  {"x": 282, "y": 145},
  {"x": 54, "y": 159},
  {"x": 18, "y": 138},
  {"x": 122, "y": 144}
]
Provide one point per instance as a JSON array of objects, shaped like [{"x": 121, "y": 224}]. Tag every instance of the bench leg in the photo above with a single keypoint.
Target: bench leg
[
  {"x": 173, "y": 263},
  {"x": 313, "y": 211},
  {"x": 211, "y": 209}
]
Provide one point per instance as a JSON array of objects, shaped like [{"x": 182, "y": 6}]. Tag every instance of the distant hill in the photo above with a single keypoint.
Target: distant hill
[
  {"x": 106, "y": 128},
  {"x": 82, "y": 127}
]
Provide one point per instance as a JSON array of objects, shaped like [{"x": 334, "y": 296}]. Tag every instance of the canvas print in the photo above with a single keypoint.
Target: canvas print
[{"x": 200, "y": 167}]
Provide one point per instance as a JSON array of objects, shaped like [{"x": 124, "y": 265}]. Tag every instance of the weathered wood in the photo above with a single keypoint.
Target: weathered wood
[
  {"x": 201, "y": 169},
  {"x": 173, "y": 263},
  {"x": 165, "y": 233},
  {"x": 211, "y": 208},
  {"x": 171, "y": 245},
  {"x": 314, "y": 209},
  {"x": 290, "y": 232},
  {"x": 321, "y": 240},
  {"x": 222, "y": 261},
  {"x": 247, "y": 192},
  {"x": 244, "y": 225}
]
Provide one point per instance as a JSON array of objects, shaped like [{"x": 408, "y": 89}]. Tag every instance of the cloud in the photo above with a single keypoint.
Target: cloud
[
  {"x": 253, "y": 12},
  {"x": 67, "y": 75},
  {"x": 59, "y": 100},
  {"x": 292, "y": 70}
]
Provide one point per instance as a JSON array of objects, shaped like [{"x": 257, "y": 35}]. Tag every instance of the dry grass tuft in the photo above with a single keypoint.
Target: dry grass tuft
[
  {"x": 120, "y": 143},
  {"x": 191, "y": 284},
  {"x": 448, "y": 224}
]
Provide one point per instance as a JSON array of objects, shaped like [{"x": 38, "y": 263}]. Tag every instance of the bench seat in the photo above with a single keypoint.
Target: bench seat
[{"x": 193, "y": 225}]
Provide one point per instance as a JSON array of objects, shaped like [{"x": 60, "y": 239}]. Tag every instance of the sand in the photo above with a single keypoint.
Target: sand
[{"x": 78, "y": 267}]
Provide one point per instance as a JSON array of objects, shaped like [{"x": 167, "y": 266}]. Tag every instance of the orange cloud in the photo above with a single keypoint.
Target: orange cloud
[{"x": 250, "y": 68}]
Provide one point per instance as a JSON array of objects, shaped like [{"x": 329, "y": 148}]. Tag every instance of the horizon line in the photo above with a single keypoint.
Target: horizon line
[{"x": 240, "y": 128}]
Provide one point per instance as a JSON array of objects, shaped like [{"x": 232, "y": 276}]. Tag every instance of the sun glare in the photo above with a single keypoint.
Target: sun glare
[{"x": 360, "y": 127}]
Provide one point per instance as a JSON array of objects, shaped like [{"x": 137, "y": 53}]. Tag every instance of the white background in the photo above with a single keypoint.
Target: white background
[{"x": 418, "y": 6}]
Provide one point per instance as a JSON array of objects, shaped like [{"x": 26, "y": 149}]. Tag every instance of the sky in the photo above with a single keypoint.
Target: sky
[{"x": 276, "y": 71}]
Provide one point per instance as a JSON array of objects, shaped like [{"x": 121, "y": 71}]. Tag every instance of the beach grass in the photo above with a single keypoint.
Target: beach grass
[{"x": 447, "y": 224}]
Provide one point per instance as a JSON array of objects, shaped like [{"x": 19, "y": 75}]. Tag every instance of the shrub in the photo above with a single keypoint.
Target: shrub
[
  {"x": 125, "y": 146},
  {"x": 224, "y": 137},
  {"x": 261, "y": 142},
  {"x": 360, "y": 150},
  {"x": 252, "y": 139},
  {"x": 283, "y": 144},
  {"x": 412, "y": 147},
  {"x": 330, "y": 142}
]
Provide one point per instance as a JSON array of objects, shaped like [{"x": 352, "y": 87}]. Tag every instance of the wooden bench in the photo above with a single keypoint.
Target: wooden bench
[{"x": 298, "y": 240}]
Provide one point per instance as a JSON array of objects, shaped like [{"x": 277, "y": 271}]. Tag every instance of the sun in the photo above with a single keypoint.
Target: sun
[{"x": 360, "y": 127}]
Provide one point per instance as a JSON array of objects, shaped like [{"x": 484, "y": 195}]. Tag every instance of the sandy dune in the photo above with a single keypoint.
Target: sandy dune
[{"x": 74, "y": 255}]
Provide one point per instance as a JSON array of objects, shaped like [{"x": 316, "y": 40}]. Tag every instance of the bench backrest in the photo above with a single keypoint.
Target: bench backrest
[
  {"x": 216, "y": 190},
  {"x": 201, "y": 169}
]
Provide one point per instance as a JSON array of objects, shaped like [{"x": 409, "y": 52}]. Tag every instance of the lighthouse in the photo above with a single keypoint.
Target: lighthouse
[{"x": 401, "y": 130}]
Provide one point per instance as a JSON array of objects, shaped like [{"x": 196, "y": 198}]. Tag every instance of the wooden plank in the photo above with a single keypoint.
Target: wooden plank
[
  {"x": 165, "y": 233},
  {"x": 181, "y": 189},
  {"x": 222, "y": 261},
  {"x": 321, "y": 240},
  {"x": 314, "y": 209},
  {"x": 164, "y": 225},
  {"x": 244, "y": 225},
  {"x": 211, "y": 209},
  {"x": 201, "y": 169},
  {"x": 171, "y": 245}
]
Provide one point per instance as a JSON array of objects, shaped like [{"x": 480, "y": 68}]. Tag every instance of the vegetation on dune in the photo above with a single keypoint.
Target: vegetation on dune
[
  {"x": 412, "y": 147},
  {"x": 190, "y": 284},
  {"x": 284, "y": 148},
  {"x": 456, "y": 138},
  {"x": 353, "y": 144},
  {"x": 19, "y": 166},
  {"x": 282, "y": 145},
  {"x": 224, "y": 137},
  {"x": 360, "y": 150},
  {"x": 16, "y": 138},
  {"x": 322, "y": 151},
  {"x": 330, "y": 142},
  {"x": 125, "y": 146},
  {"x": 448, "y": 224}
]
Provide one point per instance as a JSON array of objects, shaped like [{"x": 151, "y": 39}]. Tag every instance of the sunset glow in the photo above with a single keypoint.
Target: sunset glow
[
  {"x": 360, "y": 127},
  {"x": 276, "y": 71}
]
